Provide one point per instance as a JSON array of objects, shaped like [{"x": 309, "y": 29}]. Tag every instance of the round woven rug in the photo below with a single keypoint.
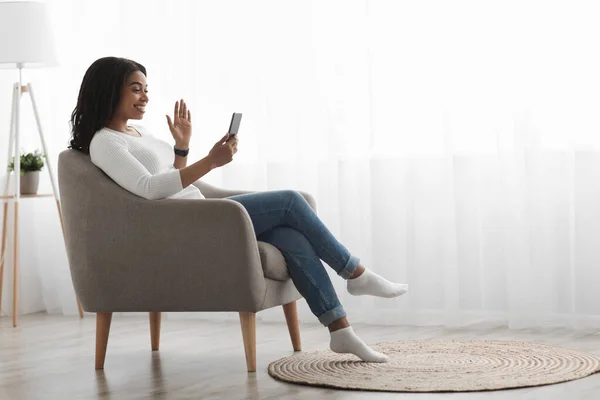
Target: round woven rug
[{"x": 440, "y": 366}]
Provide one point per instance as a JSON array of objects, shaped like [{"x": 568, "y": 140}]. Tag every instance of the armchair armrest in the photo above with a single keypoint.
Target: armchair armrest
[
  {"x": 168, "y": 255},
  {"x": 213, "y": 192}
]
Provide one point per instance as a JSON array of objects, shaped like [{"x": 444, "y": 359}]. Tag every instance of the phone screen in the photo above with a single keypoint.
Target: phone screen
[{"x": 234, "y": 126}]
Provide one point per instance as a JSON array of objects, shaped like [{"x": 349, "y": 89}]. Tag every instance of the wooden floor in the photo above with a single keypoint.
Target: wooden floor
[{"x": 52, "y": 357}]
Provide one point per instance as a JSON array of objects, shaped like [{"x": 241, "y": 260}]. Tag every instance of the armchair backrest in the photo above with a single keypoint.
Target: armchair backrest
[{"x": 94, "y": 210}]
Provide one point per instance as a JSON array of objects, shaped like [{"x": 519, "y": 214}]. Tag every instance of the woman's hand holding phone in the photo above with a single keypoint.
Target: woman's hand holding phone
[{"x": 223, "y": 151}]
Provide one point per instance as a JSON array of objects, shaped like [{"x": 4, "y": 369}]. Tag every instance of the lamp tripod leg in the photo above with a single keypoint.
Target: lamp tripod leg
[
  {"x": 2, "y": 253},
  {"x": 11, "y": 132},
  {"x": 17, "y": 175}
]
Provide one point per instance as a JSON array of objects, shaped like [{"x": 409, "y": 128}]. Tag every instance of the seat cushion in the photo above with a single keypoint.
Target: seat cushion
[{"x": 272, "y": 261}]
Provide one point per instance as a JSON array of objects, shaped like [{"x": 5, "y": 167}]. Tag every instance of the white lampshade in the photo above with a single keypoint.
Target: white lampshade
[{"x": 26, "y": 37}]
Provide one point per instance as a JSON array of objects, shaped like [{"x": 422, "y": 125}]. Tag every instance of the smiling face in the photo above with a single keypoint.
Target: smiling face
[{"x": 134, "y": 97}]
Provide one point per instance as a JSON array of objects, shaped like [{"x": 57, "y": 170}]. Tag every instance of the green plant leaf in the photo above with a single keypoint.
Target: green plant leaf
[{"x": 29, "y": 162}]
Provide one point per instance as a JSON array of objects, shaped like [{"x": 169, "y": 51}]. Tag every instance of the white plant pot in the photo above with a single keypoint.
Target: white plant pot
[{"x": 30, "y": 182}]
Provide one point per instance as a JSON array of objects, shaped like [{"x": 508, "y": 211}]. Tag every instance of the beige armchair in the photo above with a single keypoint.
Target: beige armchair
[{"x": 129, "y": 254}]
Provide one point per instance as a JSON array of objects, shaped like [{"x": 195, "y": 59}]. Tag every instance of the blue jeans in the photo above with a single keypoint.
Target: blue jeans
[{"x": 284, "y": 219}]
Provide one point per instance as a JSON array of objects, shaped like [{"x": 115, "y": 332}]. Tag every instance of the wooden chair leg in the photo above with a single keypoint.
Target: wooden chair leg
[
  {"x": 102, "y": 330},
  {"x": 155, "y": 318},
  {"x": 248, "y": 322},
  {"x": 291, "y": 317}
]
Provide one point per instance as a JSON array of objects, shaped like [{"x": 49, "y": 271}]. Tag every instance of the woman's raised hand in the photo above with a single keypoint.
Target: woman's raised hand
[{"x": 181, "y": 125}]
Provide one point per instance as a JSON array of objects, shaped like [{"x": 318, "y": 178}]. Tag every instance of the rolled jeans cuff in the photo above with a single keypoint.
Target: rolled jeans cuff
[
  {"x": 351, "y": 265},
  {"x": 332, "y": 315}
]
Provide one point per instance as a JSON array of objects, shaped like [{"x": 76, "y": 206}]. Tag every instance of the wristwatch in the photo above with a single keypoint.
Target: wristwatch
[{"x": 181, "y": 153}]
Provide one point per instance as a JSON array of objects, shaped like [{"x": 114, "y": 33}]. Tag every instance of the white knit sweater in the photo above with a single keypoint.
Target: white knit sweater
[{"x": 143, "y": 165}]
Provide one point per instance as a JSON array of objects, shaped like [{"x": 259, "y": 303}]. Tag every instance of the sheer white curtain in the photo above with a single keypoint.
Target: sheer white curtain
[{"x": 451, "y": 145}]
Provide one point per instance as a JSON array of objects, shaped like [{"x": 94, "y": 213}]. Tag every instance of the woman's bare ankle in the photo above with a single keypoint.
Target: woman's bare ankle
[
  {"x": 358, "y": 271},
  {"x": 338, "y": 324}
]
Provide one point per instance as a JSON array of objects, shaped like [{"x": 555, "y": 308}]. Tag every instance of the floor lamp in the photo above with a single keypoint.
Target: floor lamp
[{"x": 26, "y": 41}]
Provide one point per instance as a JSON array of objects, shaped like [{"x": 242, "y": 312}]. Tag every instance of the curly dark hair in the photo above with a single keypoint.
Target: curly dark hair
[{"x": 98, "y": 98}]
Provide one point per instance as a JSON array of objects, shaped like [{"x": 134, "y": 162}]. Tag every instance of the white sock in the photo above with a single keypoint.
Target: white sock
[
  {"x": 345, "y": 341},
  {"x": 372, "y": 284}
]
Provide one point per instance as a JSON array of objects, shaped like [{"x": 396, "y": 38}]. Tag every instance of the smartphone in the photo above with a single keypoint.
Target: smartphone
[{"x": 234, "y": 125}]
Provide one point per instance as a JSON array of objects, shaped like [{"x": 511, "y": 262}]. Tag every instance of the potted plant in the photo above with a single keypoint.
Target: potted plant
[{"x": 31, "y": 165}]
